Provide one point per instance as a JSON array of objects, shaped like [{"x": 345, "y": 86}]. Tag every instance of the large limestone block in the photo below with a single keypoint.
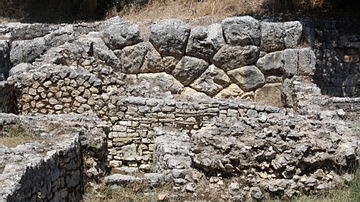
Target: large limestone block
[
  {"x": 293, "y": 32},
  {"x": 27, "y": 50},
  {"x": 232, "y": 90},
  {"x": 188, "y": 69},
  {"x": 211, "y": 81},
  {"x": 141, "y": 58},
  {"x": 192, "y": 94},
  {"x": 231, "y": 57},
  {"x": 248, "y": 78},
  {"x": 170, "y": 37},
  {"x": 162, "y": 82},
  {"x": 271, "y": 63},
  {"x": 118, "y": 33},
  {"x": 272, "y": 36},
  {"x": 95, "y": 46},
  {"x": 270, "y": 94},
  {"x": 60, "y": 36},
  {"x": 290, "y": 58},
  {"x": 205, "y": 41},
  {"x": 307, "y": 62},
  {"x": 243, "y": 30},
  {"x": 170, "y": 63}
]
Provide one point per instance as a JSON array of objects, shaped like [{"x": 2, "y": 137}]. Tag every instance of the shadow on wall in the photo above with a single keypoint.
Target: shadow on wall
[{"x": 54, "y": 11}]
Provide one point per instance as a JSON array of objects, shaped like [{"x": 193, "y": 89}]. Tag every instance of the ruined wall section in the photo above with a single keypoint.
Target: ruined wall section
[
  {"x": 58, "y": 160},
  {"x": 338, "y": 57}
]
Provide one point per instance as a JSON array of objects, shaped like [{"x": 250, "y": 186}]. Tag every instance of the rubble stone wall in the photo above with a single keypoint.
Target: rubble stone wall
[
  {"x": 55, "y": 163},
  {"x": 338, "y": 57}
]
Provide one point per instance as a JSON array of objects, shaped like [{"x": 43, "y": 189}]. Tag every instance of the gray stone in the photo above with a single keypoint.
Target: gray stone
[
  {"x": 211, "y": 81},
  {"x": 95, "y": 46},
  {"x": 290, "y": 59},
  {"x": 293, "y": 33},
  {"x": 232, "y": 90},
  {"x": 118, "y": 33},
  {"x": 161, "y": 82},
  {"x": 256, "y": 193},
  {"x": 20, "y": 68},
  {"x": 188, "y": 69},
  {"x": 141, "y": 58},
  {"x": 232, "y": 57},
  {"x": 25, "y": 31},
  {"x": 204, "y": 42},
  {"x": 119, "y": 179},
  {"x": 60, "y": 36},
  {"x": 170, "y": 37},
  {"x": 26, "y": 51},
  {"x": 248, "y": 78},
  {"x": 271, "y": 63},
  {"x": 272, "y": 36},
  {"x": 154, "y": 179},
  {"x": 307, "y": 62},
  {"x": 243, "y": 30}
]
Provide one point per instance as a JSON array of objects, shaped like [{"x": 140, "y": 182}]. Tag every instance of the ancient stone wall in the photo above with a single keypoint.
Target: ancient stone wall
[
  {"x": 54, "y": 164},
  {"x": 195, "y": 105},
  {"x": 337, "y": 52}
]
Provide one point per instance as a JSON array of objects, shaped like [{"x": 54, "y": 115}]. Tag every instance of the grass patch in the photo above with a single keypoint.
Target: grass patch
[
  {"x": 126, "y": 193},
  {"x": 15, "y": 134}
]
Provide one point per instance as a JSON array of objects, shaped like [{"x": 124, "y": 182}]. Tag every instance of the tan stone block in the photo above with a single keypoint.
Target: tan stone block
[
  {"x": 32, "y": 91},
  {"x": 87, "y": 93},
  {"x": 269, "y": 94},
  {"x": 47, "y": 84},
  {"x": 53, "y": 101},
  {"x": 40, "y": 105},
  {"x": 27, "y": 98},
  {"x": 36, "y": 84}
]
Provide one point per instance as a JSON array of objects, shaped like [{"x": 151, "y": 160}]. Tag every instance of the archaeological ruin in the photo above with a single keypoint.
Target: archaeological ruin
[{"x": 237, "y": 109}]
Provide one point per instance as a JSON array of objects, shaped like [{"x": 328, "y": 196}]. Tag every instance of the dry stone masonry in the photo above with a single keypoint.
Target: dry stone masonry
[{"x": 224, "y": 112}]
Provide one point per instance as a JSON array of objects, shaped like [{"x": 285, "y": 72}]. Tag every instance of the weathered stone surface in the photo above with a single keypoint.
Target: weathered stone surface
[
  {"x": 204, "y": 42},
  {"x": 170, "y": 63},
  {"x": 232, "y": 57},
  {"x": 118, "y": 33},
  {"x": 271, "y": 63},
  {"x": 60, "y": 36},
  {"x": 269, "y": 94},
  {"x": 95, "y": 46},
  {"x": 188, "y": 69},
  {"x": 293, "y": 33},
  {"x": 307, "y": 62},
  {"x": 248, "y": 78},
  {"x": 288, "y": 93},
  {"x": 192, "y": 94},
  {"x": 161, "y": 81},
  {"x": 170, "y": 37},
  {"x": 243, "y": 30},
  {"x": 211, "y": 81},
  {"x": 232, "y": 90},
  {"x": 291, "y": 60},
  {"x": 272, "y": 36},
  {"x": 141, "y": 58},
  {"x": 25, "y": 31},
  {"x": 27, "y": 50},
  {"x": 20, "y": 68}
]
